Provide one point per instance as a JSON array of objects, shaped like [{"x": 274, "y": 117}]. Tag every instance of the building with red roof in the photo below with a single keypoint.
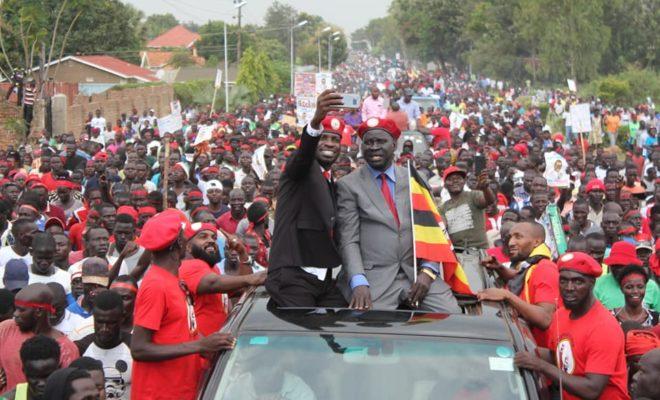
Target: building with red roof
[
  {"x": 163, "y": 47},
  {"x": 98, "y": 69}
]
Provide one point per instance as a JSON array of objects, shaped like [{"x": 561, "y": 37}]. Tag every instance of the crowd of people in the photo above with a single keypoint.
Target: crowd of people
[{"x": 124, "y": 247}]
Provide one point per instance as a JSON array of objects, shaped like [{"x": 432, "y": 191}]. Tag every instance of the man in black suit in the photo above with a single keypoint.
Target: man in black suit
[{"x": 303, "y": 252}]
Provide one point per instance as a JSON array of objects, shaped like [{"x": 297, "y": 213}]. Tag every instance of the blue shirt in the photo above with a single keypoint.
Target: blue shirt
[
  {"x": 360, "y": 279},
  {"x": 412, "y": 108}
]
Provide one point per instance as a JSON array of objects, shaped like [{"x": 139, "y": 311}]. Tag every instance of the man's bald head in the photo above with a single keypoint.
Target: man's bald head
[
  {"x": 645, "y": 381},
  {"x": 524, "y": 237},
  {"x": 531, "y": 229},
  {"x": 36, "y": 293},
  {"x": 32, "y": 304},
  {"x": 612, "y": 207}
]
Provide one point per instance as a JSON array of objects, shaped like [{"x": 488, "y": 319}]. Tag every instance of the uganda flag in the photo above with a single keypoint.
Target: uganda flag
[{"x": 431, "y": 240}]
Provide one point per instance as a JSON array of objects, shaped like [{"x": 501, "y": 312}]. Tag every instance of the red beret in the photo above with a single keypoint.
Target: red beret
[
  {"x": 595, "y": 184},
  {"x": 452, "y": 170},
  {"x": 160, "y": 231},
  {"x": 101, "y": 156},
  {"x": 128, "y": 210},
  {"x": 147, "y": 210},
  {"x": 211, "y": 170},
  {"x": 198, "y": 227},
  {"x": 579, "y": 262},
  {"x": 332, "y": 124},
  {"x": 384, "y": 124}
]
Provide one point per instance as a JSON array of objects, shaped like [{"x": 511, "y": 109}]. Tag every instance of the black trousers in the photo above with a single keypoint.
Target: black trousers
[
  {"x": 294, "y": 287},
  {"x": 27, "y": 116}
]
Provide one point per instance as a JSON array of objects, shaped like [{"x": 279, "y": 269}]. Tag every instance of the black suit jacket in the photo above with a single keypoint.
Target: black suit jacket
[{"x": 305, "y": 214}]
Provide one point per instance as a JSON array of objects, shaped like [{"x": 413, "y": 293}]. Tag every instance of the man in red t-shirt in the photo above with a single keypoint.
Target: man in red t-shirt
[
  {"x": 228, "y": 221},
  {"x": 586, "y": 352},
  {"x": 34, "y": 306},
  {"x": 166, "y": 346},
  {"x": 202, "y": 276},
  {"x": 532, "y": 281}
]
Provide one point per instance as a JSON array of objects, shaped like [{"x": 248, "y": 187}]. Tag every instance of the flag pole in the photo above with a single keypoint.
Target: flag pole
[{"x": 412, "y": 225}]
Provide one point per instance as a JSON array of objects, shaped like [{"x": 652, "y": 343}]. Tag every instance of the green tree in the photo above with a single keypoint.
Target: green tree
[
  {"x": 181, "y": 58},
  {"x": 381, "y": 33},
  {"x": 35, "y": 32},
  {"x": 158, "y": 24},
  {"x": 279, "y": 17},
  {"x": 634, "y": 27},
  {"x": 432, "y": 30},
  {"x": 574, "y": 40},
  {"x": 257, "y": 74}
]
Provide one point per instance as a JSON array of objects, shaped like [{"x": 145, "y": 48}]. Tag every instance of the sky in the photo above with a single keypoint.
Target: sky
[{"x": 347, "y": 14}]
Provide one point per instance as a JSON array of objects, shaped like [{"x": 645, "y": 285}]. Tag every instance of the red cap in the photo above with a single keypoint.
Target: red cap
[
  {"x": 54, "y": 221},
  {"x": 521, "y": 148},
  {"x": 558, "y": 137},
  {"x": 444, "y": 121},
  {"x": 100, "y": 156},
  {"x": 623, "y": 253},
  {"x": 160, "y": 231},
  {"x": 384, "y": 124},
  {"x": 211, "y": 170},
  {"x": 128, "y": 210},
  {"x": 332, "y": 124},
  {"x": 595, "y": 184},
  {"x": 579, "y": 262},
  {"x": 64, "y": 183},
  {"x": 452, "y": 170},
  {"x": 195, "y": 194},
  {"x": 147, "y": 210},
  {"x": 198, "y": 227}
]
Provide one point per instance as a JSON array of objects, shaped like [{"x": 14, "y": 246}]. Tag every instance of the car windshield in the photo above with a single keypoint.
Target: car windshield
[{"x": 309, "y": 367}]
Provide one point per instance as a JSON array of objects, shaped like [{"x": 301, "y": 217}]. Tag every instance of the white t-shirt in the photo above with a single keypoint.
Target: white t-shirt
[
  {"x": 59, "y": 276},
  {"x": 69, "y": 322},
  {"x": 129, "y": 263},
  {"x": 7, "y": 254},
  {"x": 117, "y": 367},
  {"x": 83, "y": 327},
  {"x": 99, "y": 122}
]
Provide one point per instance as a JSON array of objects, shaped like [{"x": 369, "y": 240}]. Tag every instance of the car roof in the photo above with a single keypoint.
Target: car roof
[{"x": 488, "y": 321}]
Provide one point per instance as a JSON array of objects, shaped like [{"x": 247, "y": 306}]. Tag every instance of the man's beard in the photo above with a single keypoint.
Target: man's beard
[{"x": 209, "y": 258}]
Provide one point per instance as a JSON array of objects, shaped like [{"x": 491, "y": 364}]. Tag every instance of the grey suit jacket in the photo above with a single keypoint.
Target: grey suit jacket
[{"x": 370, "y": 241}]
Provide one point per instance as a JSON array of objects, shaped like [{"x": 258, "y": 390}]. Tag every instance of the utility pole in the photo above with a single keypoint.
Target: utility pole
[
  {"x": 293, "y": 60},
  {"x": 238, "y": 4},
  {"x": 226, "y": 73}
]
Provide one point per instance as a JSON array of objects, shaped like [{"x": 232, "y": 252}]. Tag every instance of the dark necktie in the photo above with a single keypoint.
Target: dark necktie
[{"x": 385, "y": 189}]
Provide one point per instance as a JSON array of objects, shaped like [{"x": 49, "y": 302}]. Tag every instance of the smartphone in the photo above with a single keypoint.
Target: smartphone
[
  {"x": 479, "y": 164},
  {"x": 350, "y": 100}
]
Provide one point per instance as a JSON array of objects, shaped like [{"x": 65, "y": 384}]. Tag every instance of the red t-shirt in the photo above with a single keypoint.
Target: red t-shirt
[
  {"x": 228, "y": 223},
  {"x": 161, "y": 307},
  {"x": 592, "y": 344},
  {"x": 209, "y": 308},
  {"x": 542, "y": 286},
  {"x": 11, "y": 340},
  {"x": 441, "y": 133}
]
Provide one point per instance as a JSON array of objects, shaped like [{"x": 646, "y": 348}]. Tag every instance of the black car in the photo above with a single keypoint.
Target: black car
[{"x": 307, "y": 354}]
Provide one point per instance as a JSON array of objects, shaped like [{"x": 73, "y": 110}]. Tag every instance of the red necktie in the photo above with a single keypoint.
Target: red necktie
[
  {"x": 385, "y": 188},
  {"x": 326, "y": 174}
]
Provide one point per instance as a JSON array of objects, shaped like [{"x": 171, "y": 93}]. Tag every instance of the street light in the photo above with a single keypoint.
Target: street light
[
  {"x": 238, "y": 5},
  {"x": 298, "y": 25},
  {"x": 332, "y": 38},
  {"x": 326, "y": 29}
]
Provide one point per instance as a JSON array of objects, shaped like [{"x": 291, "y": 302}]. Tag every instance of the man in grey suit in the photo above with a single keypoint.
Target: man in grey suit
[{"x": 375, "y": 232}]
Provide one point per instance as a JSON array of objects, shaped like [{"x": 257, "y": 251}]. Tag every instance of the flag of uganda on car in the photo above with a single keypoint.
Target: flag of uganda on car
[{"x": 431, "y": 240}]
